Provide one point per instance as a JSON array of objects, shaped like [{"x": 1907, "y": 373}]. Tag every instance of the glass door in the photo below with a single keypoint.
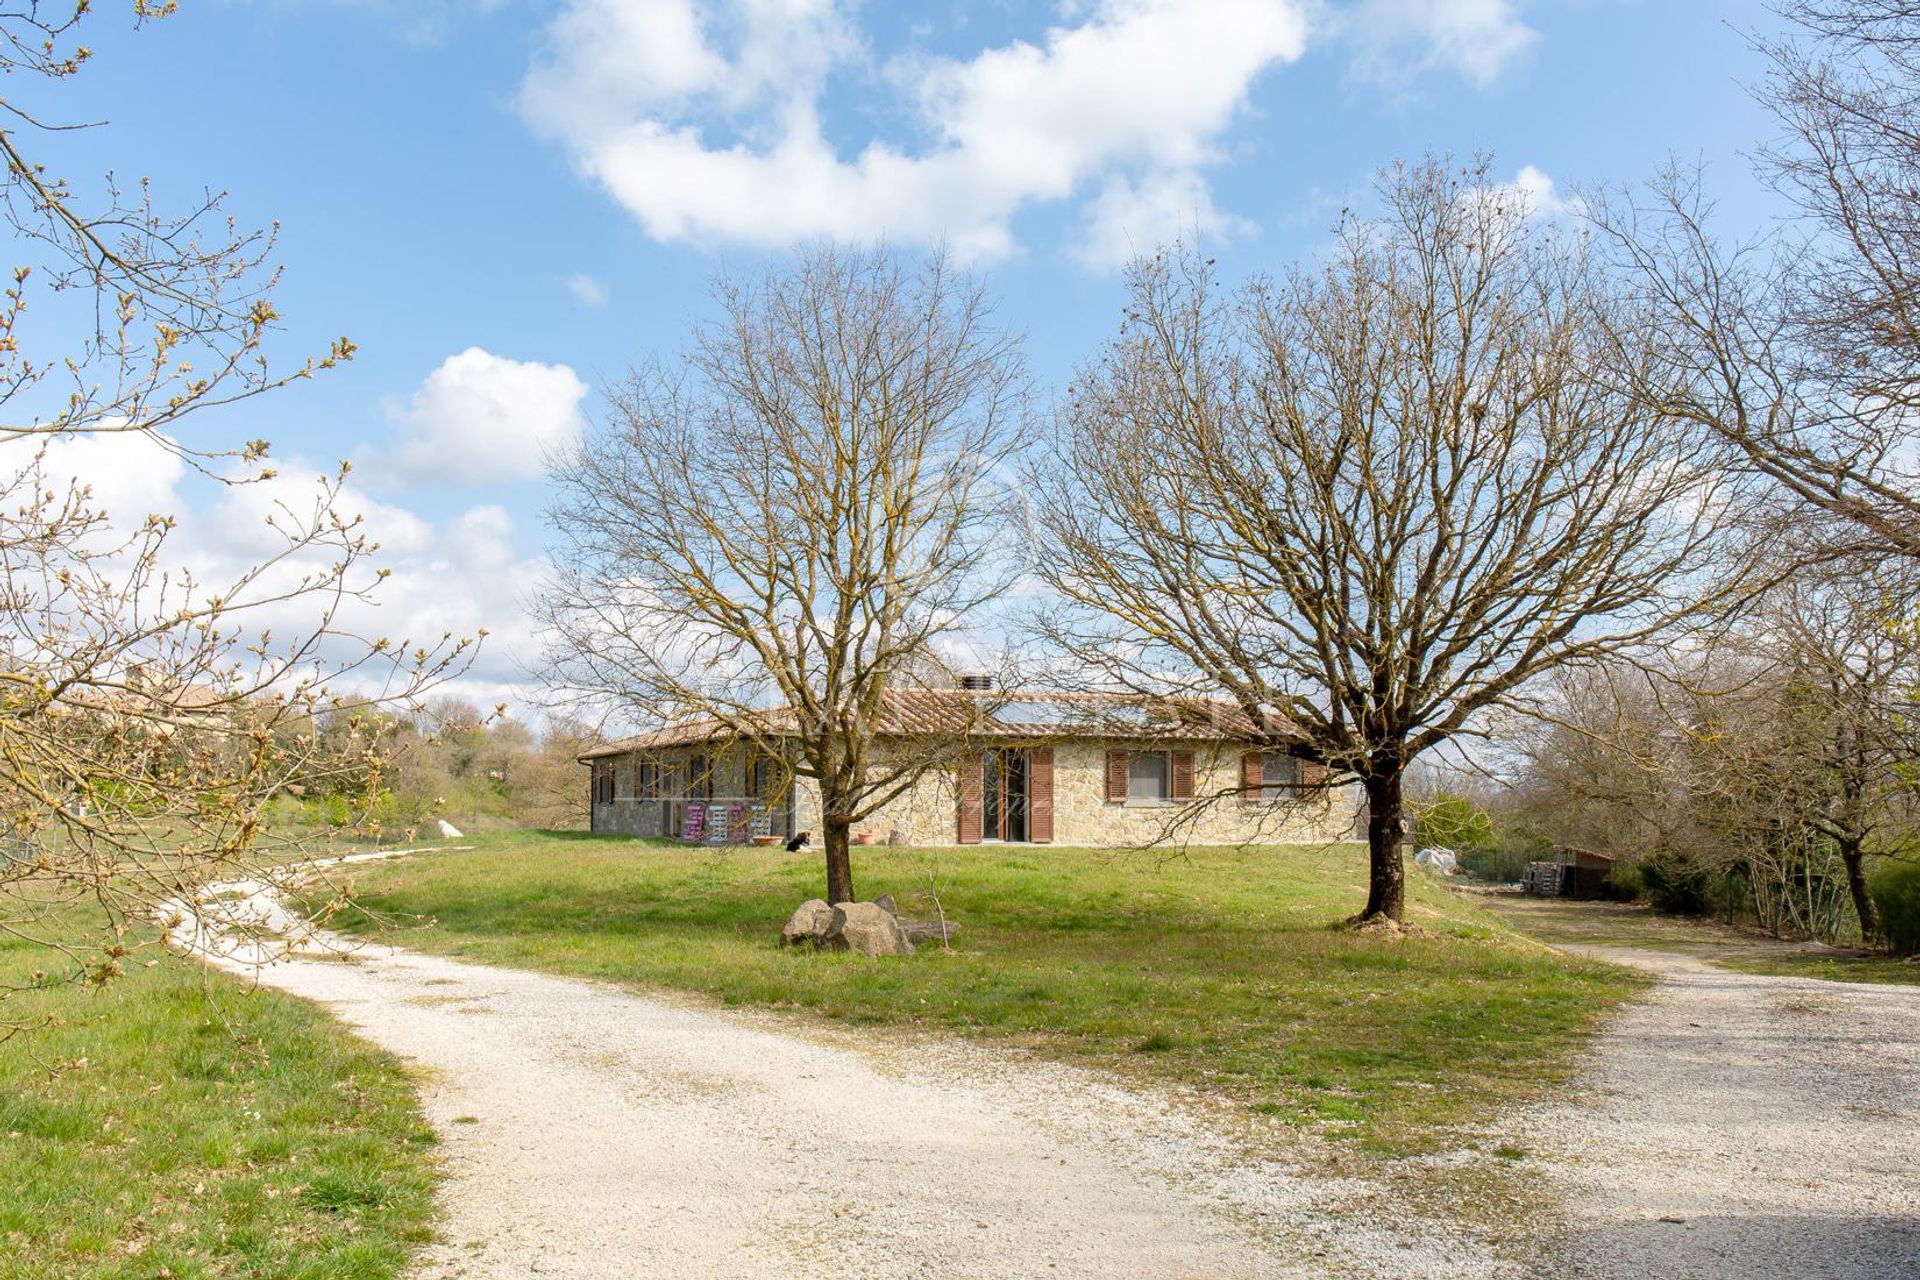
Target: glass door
[{"x": 1004, "y": 796}]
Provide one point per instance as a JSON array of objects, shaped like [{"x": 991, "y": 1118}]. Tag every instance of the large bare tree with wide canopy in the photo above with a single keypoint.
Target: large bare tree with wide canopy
[
  {"x": 1379, "y": 494},
  {"x": 803, "y": 513}
]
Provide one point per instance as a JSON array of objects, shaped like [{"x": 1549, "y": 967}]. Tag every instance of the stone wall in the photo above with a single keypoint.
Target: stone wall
[{"x": 927, "y": 815}]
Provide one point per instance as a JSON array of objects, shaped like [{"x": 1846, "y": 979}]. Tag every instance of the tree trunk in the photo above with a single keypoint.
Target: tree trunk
[
  {"x": 1386, "y": 870},
  {"x": 838, "y": 836},
  {"x": 1855, "y": 862}
]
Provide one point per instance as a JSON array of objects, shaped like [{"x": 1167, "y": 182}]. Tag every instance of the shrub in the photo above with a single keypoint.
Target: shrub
[
  {"x": 1895, "y": 887},
  {"x": 1502, "y": 862},
  {"x": 1453, "y": 822},
  {"x": 1627, "y": 880},
  {"x": 1676, "y": 886}
]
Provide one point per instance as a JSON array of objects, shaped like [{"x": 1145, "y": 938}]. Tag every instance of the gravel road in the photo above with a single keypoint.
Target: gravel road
[
  {"x": 1731, "y": 1127},
  {"x": 589, "y": 1132},
  {"x": 1739, "y": 1127}
]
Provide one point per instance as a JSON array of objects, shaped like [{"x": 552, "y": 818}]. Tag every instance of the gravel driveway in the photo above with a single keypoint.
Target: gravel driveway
[
  {"x": 1739, "y": 1126},
  {"x": 589, "y": 1132},
  {"x": 1730, "y": 1127}
]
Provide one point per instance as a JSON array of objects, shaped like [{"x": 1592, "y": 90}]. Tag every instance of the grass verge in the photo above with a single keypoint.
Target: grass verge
[
  {"x": 1220, "y": 968},
  {"x": 178, "y": 1124}
]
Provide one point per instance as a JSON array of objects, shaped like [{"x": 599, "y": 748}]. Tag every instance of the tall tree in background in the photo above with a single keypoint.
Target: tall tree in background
[
  {"x": 1802, "y": 345},
  {"x": 148, "y": 710},
  {"x": 1758, "y": 773},
  {"x": 799, "y": 512},
  {"x": 1376, "y": 497}
]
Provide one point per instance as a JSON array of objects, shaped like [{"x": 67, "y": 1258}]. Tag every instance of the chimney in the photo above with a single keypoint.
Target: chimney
[{"x": 976, "y": 683}]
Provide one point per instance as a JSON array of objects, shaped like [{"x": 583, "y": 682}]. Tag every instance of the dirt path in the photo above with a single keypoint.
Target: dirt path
[
  {"x": 1739, "y": 1126},
  {"x": 593, "y": 1133}
]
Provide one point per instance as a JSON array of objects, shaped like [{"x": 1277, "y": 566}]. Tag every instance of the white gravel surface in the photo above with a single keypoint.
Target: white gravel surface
[
  {"x": 1730, "y": 1127},
  {"x": 589, "y": 1132},
  {"x": 1739, "y": 1126}
]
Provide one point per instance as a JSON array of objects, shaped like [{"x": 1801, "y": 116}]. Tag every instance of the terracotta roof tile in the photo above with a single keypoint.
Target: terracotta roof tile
[{"x": 1000, "y": 715}]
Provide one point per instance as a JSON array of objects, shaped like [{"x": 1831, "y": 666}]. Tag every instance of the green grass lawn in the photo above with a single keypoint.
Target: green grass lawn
[
  {"x": 1220, "y": 968},
  {"x": 179, "y": 1124}
]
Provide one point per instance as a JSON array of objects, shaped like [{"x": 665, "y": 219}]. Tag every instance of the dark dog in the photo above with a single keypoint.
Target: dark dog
[{"x": 800, "y": 842}]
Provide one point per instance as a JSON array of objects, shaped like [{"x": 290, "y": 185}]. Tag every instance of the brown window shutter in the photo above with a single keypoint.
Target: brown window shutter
[
  {"x": 1253, "y": 776},
  {"x": 1116, "y": 777},
  {"x": 1313, "y": 775},
  {"x": 967, "y": 787},
  {"x": 1182, "y": 775},
  {"x": 1040, "y": 795}
]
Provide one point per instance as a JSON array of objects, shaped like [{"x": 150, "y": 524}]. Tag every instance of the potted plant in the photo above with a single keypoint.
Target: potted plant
[
  {"x": 767, "y": 842},
  {"x": 863, "y": 837}
]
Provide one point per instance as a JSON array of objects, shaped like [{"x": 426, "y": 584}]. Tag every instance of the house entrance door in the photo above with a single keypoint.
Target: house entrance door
[{"x": 1003, "y": 795}]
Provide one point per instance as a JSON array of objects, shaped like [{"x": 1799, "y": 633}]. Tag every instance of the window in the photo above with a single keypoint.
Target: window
[
  {"x": 647, "y": 780},
  {"x": 1149, "y": 777},
  {"x": 603, "y": 782},
  {"x": 1279, "y": 777}
]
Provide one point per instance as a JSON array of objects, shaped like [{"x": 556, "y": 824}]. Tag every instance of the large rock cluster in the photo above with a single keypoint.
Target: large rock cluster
[{"x": 870, "y": 928}]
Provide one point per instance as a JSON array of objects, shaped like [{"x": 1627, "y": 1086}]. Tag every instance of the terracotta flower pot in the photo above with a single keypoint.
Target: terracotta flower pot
[{"x": 767, "y": 842}]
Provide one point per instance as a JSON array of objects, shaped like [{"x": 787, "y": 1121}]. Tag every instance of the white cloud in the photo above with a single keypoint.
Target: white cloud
[
  {"x": 589, "y": 291},
  {"x": 1531, "y": 195},
  {"x": 457, "y": 575},
  {"x": 1537, "y": 195},
  {"x": 481, "y": 418},
  {"x": 1396, "y": 41},
  {"x": 1129, "y": 218},
  {"x": 703, "y": 119},
  {"x": 130, "y": 475}
]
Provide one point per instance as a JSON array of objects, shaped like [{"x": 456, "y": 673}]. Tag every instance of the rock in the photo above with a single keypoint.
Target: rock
[
  {"x": 448, "y": 831},
  {"x": 919, "y": 931},
  {"x": 885, "y": 903},
  {"x": 809, "y": 925},
  {"x": 869, "y": 929}
]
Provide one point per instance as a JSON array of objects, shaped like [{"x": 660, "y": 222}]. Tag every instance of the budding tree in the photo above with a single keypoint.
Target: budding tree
[
  {"x": 1380, "y": 494},
  {"x": 153, "y": 696},
  {"x": 797, "y": 514}
]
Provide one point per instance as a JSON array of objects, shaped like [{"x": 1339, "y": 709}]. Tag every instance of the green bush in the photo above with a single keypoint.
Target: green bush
[
  {"x": 1895, "y": 887},
  {"x": 1502, "y": 862},
  {"x": 1453, "y": 822},
  {"x": 1627, "y": 880},
  {"x": 1676, "y": 886}
]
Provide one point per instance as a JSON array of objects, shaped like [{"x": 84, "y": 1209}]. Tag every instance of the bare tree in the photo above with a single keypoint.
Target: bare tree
[
  {"x": 1806, "y": 340},
  {"x": 1776, "y": 753},
  {"x": 799, "y": 513},
  {"x": 148, "y": 711},
  {"x": 1378, "y": 496}
]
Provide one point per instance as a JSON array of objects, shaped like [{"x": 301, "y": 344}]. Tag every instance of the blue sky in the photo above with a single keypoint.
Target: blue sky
[{"x": 506, "y": 204}]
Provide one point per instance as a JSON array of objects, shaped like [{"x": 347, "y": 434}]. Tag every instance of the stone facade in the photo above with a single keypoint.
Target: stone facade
[
  {"x": 663, "y": 813},
  {"x": 927, "y": 815}
]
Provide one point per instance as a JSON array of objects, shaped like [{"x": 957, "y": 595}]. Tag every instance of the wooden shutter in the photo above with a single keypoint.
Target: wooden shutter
[
  {"x": 1182, "y": 775},
  {"x": 967, "y": 786},
  {"x": 1116, "y": 777},
  {"x": 1313, "y": 776},
  {"x": 1040, "y": 795},
  {"x": 1253, "y": 777}
]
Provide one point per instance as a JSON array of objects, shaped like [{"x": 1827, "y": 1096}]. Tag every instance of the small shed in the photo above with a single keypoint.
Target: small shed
[{"x": 1571, "y": 873}]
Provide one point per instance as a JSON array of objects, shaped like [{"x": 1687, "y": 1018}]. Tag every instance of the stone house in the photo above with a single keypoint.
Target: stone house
[{"x": 1108, "y": 770}]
